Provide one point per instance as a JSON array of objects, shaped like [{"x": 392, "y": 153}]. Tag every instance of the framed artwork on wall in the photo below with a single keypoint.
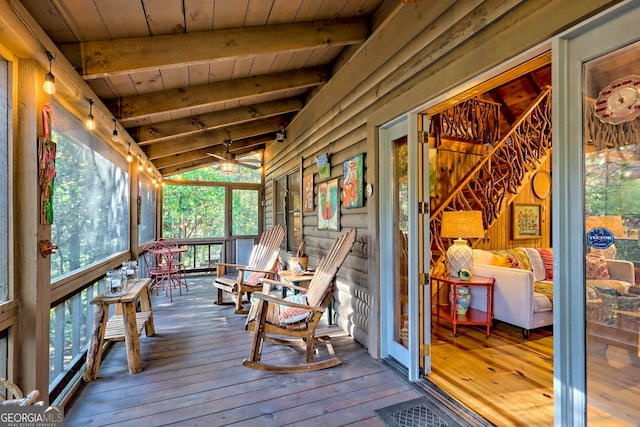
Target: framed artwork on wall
[
  {"x": 526, "y": 220},
  {"x": 307, "y": 194},
  {"x": 324, "y": 167},
  {"x": 353, "y": 182},
  {"x": 329, "y": 205}
]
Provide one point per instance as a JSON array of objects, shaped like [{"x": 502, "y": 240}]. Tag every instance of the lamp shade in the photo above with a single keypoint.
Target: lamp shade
[
  {"x": 461, "y": 225},
  {"x": 465, "y": 224}
]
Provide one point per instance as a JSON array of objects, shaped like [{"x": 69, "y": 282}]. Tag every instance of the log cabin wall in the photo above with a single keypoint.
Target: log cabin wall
[{"x": 426, "y": 50}]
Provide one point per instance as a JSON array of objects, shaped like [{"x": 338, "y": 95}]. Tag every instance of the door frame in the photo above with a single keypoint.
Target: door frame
[
  {"x": 409, "y": 357},
  {"x": 592, "y": 38}
]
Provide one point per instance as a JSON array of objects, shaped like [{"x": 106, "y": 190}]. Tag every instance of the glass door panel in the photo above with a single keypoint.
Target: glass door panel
[
  {"x": 400, "y": 242},
  {"x": 611, "y": 129}
]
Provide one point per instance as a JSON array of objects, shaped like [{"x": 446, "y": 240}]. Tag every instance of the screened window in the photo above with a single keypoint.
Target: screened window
[
  {"x": 90, "y": 198},
  {"x": 191, "y": 211},
  {"x": 4, "y": 180},
  {"x": 245, "y": 212},
  {"x": 147, "y": 210},
  {"x": 287, "y": 208}
]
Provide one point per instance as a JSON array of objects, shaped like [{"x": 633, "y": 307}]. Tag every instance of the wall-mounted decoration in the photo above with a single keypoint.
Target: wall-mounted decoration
[
  {"x": 46, "y": 166},
  {"x": 526, "y": 220},
  {"x": 541, "y": 184},
  {"x": 324, "y": 167},
  {"x": 353, "y": 182},
  {"x": 307, "y": 193},
  {"x": 329, "y": 205}
]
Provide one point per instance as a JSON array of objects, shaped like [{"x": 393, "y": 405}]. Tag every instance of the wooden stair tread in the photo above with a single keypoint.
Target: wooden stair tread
[{"x": 115, "y": 326}]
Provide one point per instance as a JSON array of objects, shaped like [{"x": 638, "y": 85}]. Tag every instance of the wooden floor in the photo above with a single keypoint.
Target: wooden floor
[
  {"x": 504, "y": 378},
  {"x": 509, "y": 380},
  {"x": 193, "y": 376}
]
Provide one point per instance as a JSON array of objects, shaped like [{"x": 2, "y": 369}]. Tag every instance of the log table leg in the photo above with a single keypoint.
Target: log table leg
[
  {"x": 94, "y": 352},
  {"x": 131, "y": 337},
  {"x": 145, "y": 305}
]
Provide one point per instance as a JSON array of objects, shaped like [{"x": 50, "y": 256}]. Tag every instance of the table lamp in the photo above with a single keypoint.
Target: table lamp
[{"x": 461, "y": 225}]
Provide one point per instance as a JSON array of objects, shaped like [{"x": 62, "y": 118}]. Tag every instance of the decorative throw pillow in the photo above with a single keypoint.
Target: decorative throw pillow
[
  {"x": 252, "y": 277},
  {"x": 547, "y": 259},
  {"x": 501, "y": 261},
  {"x": 596, "y": 267},
  {"x": 293, "y": 314}
]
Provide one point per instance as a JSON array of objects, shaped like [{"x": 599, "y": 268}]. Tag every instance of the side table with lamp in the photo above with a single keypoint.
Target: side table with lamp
[{"x": 462, "y": 225}]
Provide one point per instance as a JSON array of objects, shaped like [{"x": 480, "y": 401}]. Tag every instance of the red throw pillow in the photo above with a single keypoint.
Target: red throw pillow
[{"x": 547, "y": 260}]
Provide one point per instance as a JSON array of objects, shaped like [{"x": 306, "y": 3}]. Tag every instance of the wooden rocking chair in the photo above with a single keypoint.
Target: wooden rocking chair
[
  {"x": 262, "y": 264},
  {"x": 265, "y": 316}
]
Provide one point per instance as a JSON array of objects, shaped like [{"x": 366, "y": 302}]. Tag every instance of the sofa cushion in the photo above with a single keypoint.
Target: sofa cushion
[
  {"x": 541, "y": 303},
  {"x": 518, "y": 257},
  {"x": 547, "y": 259},
  {"x": 501, "y": 261},
  {"x": 480, "y": 256},
  {"x": 537, "y": 265}
]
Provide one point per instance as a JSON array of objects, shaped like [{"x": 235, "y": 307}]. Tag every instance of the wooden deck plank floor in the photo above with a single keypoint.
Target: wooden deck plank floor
[{"x": 193, "y": 376}]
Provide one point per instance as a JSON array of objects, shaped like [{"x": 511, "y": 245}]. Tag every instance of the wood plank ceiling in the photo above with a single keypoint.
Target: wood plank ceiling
[{"x": 184, "y": 76}]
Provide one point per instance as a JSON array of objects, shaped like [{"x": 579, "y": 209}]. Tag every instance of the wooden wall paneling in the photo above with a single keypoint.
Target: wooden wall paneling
[{"x": 417, "y": 65}]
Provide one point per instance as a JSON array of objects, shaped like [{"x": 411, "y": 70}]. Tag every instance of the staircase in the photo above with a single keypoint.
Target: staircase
[{"x": 492, "y": 184}]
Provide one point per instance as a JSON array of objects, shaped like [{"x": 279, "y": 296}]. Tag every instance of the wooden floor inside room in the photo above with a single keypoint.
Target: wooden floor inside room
[
  {"x": 504, "y": 378},
  {"x": 509, "y": 380},
  {"x": 193, "y": 376}
]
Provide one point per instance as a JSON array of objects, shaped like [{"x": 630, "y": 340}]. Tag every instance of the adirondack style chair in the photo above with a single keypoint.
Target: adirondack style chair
[
  {"x": 268, "y": 318},
  {"x": 262, "y": 264}
]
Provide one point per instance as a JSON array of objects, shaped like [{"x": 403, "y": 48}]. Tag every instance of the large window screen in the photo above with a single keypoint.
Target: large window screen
[
  {"x": 147, "y": 226},
  {"x": 191, "y": 211},
  {"x": 90, "y": 198},
  {"x": 4, "y": 182}
]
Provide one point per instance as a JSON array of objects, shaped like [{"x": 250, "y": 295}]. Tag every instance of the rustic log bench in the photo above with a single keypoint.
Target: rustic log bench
[{"x": 127, "y": 326}]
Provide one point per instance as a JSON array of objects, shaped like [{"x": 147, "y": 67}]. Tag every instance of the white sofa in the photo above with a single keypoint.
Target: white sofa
[{"x": 515, "y": 301}]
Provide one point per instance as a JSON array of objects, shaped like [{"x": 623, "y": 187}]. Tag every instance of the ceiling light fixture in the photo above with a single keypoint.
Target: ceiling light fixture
[
  {"x": 140, "y": 166},
  {"x": 114, "y": 136},
  {"x": 49, "y": 85},
  {"x": 91, "y": 124},
  {"x": 149, "y": 168},
  {"x": 281, "y": 135}
]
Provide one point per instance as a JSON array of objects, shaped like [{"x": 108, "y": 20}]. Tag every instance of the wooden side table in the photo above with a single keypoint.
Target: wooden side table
[
  {"x": 127, "y": 326},
  {"x": 474, "y": 316}
]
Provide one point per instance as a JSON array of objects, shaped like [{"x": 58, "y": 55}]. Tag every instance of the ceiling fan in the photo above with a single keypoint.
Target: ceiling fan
[{"x": 229, "y": 163}]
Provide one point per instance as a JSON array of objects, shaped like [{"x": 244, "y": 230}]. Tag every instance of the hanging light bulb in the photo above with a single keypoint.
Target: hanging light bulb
[
  {"x": 149, "y": 168},
  {"x": 140, "y": 166},
  {"x": 49, "y": 85},
  {"x": 129, "y": 156},
  {"x": 114, "y": 136},
  {"x": 91, "y": 124}
]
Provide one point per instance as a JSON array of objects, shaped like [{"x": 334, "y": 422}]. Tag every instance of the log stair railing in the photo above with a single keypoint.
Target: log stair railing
[{"x": 492, "y": 184}]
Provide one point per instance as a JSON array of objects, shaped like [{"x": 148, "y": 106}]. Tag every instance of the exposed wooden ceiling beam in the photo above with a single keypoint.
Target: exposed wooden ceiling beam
[
  {"x": 239, "y": 147},
  {"x": 170, "y": 129},
  {"x": 207, "y": 139},
  {"x": 98, "y": 58},
  {"x": 130, "y": 108}
]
